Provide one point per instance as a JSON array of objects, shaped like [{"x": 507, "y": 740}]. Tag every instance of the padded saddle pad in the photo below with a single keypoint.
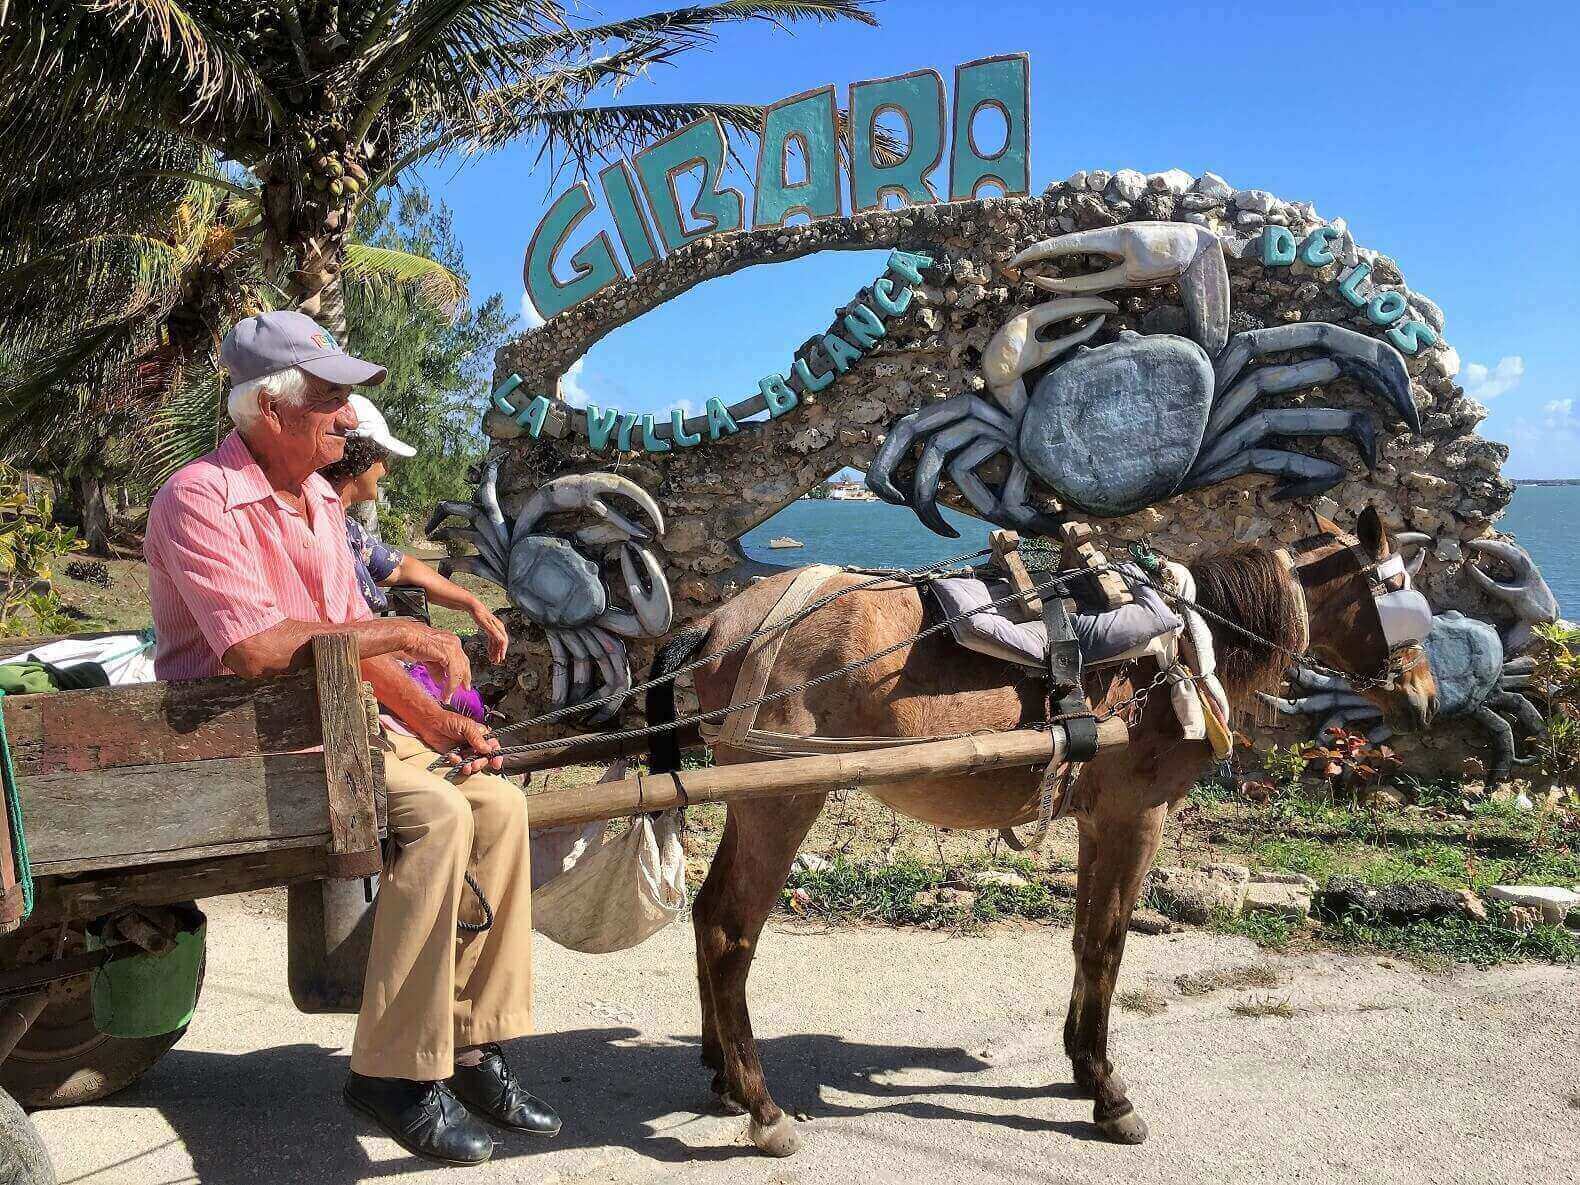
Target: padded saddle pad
[{"x": 1106, "y": 637}]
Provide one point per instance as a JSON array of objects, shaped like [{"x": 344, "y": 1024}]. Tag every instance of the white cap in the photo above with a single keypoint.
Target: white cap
[{"x": 370, "y": 423}]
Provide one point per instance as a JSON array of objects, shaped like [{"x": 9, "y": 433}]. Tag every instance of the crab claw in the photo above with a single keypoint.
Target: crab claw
[
  {"x": 1016, "y": 349},
  {"x": 648, "y": 590},
  {"x": 1417, "y": 539},
  {"x": 1149, "y": 253},
  {"x": 586, "y": 491},
  {"x": 1527, "y": 594}
]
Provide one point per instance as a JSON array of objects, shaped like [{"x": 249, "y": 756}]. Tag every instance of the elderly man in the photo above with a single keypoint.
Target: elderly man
[{"x": 247, "y": 560}]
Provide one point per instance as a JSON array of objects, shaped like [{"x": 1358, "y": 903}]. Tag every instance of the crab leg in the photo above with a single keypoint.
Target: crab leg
[
  {"x": 1230, "y": 406},
  {"x": 962, "y": 470},
  {"x": 475, "y": 564},
  {"x": 1316, "y": 681},
  {"x": 1373, "y": 363},
  {"x": 1016, "y": 508},
  {"x": 488, "y": 496},
  {"x": 1343, "y": 716},
  {"x": 648, "y": 590},
  {"x": 903, "y": 434},
  {"x": 615, "y": 675},
  {"x": 1502, "y": 737},
  {"x": 1358, "y": 426},
  {"x": 559, "y": 666},
  {"x": 929, "y": 469},
  {"x": 1300, "y": 475},
  {"x": 581, "y": 664},
  {"x": 1310, "y": 705},
  {"x": 487, "y": 546},
  {"x": 1148, "y": 254}
]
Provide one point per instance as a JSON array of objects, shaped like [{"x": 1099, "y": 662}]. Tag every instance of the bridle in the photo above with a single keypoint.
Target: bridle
[{"x": 1402, "y": 614}]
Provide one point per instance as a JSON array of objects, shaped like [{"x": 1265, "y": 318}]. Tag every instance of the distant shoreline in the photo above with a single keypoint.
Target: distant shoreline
[{"x": 1546, "y": 481}]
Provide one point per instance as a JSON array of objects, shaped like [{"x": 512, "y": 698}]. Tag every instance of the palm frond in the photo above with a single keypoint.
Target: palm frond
[
  {"x": 683, "y": 28},
  {"x": 383, "y": 273}
]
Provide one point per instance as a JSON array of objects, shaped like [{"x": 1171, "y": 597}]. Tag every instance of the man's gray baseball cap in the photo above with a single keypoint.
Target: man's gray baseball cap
[{"x": 276, "y": 341}]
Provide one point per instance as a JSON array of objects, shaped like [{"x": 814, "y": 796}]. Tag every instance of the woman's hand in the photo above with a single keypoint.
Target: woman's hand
[{"x": 498, "y": 639}]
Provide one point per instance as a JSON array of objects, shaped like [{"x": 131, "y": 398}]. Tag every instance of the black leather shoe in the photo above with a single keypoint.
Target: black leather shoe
[
  {"x": 491, "y": 1090},
  {"x": 422, "y": 1117}
]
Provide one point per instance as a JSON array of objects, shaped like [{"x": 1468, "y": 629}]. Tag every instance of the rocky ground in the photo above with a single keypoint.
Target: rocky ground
[{"x": 912, "y": 1057}]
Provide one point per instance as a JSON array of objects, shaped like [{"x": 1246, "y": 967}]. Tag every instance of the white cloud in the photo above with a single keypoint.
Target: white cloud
[
  {"x": 529, "y": 311},
  {"x": 1482, "y": 384},
  {"x": 1560, "y": 415}
]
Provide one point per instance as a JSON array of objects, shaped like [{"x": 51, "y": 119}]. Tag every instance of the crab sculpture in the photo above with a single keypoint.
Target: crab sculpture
[
  {"x": 1469, "y": 659},
  {"x": 552, "y": 583},
  {"x": 1114, "y": 428}
]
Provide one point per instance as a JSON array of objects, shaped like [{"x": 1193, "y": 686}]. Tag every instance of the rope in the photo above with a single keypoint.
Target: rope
[
  {"x": 900, "y": 574},
  {"x": 1059, "y": 580},
  {"x": 13, "y": 807}
]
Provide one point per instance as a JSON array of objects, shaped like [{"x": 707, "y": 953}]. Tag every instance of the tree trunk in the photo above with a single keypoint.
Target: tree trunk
[{"x": 92, "y": 510}]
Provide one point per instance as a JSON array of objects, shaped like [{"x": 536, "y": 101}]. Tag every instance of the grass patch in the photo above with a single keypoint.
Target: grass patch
[
  {"x": 1214, "y": 979},
  {"x": 1259, "y": 1006},
  {"x": 1271, "y": 931},
  {"x": 1456, "y": 940},
  {"x": 1143, "y": 1000},
  {"x": 911, "y": 892}
]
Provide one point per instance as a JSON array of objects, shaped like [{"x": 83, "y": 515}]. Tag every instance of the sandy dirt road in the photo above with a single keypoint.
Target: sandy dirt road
[{"x": 918, "y": 1058}]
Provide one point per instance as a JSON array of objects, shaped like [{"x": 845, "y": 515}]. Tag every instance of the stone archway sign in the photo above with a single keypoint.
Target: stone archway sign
[{"x": 1005, "y": 353}]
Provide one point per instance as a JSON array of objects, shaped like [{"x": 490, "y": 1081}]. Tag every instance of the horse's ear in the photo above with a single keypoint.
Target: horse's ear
[
  {"x": 1324, "y": 525},
  {"x": 1372, "y": 534}
]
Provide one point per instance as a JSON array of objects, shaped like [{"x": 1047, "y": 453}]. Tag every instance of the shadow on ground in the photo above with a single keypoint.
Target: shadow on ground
[{"x": 276, "y": 1114}]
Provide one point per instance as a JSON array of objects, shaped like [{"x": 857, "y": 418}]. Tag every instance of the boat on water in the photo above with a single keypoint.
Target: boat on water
[{"x": 783, "y": 542}]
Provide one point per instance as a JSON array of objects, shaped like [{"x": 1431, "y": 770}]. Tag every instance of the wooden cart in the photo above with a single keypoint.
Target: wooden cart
[
  {"x": 157, "y": 795},
  {"x": 153, "y": 796}
]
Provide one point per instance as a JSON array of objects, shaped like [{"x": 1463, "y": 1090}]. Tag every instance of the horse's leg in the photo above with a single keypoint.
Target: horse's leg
[
  {"x": 1123, "y": 846},
  {"x": 761, "y": 841},
  {"x": 1083, "y": 891},
  {"x": 712, "y": 886}
]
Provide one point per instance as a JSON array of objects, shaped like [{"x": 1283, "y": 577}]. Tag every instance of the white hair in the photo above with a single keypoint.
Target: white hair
[{"x": 288, "y": 386}]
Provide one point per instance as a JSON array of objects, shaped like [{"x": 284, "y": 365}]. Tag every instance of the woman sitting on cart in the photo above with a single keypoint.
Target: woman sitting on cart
[
  {"x": 247, "y": 560},
  {"x": 355, "y": 478}
]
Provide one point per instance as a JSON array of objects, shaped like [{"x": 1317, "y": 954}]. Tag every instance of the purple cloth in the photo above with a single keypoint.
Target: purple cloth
[{"x": 467, "y": 701}]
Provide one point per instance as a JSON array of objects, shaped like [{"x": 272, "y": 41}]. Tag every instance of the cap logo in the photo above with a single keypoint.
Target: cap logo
[{"x": 323, "y": 341}]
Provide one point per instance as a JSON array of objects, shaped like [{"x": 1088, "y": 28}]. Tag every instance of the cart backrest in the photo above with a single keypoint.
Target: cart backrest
[{"x": 126, "y": 777}]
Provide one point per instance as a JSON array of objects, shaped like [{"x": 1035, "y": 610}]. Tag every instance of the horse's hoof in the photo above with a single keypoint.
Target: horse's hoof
[
  {"x": 725, "y": 1101},
  {"x": 777, "y": 1139},
  {"x": 1128, "y": 1128}
]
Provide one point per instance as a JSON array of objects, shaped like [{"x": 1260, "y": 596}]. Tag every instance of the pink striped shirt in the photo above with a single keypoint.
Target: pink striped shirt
[{"x": 228, "y": 559}]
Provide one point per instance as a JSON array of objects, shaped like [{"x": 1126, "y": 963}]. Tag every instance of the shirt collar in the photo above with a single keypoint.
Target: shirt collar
[{"x": 245, "y": 481}]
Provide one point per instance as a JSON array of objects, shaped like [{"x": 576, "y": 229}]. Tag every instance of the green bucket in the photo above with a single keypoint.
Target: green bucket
[{"x": 148, "y": 995}]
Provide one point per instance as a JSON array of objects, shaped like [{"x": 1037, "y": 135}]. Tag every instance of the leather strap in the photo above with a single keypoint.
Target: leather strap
[{"x": 758, "y": 662}]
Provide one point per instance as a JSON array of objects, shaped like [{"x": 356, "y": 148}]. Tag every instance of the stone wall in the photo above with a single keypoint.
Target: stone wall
[{"x": 1446, "y": 481}]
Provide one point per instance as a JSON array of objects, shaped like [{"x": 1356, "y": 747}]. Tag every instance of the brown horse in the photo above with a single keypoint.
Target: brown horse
[{"x": 935, "y": 688}]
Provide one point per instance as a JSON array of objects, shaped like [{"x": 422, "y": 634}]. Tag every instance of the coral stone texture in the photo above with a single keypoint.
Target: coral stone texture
[{"x": 1444, "y": 481}]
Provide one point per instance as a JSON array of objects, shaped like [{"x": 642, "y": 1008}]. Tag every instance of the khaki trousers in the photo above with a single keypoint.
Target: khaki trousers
[{"x": 429, "y": 986}]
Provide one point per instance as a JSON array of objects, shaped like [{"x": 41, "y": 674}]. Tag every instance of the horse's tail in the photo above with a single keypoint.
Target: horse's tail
[{"x": 663, "y": 753}]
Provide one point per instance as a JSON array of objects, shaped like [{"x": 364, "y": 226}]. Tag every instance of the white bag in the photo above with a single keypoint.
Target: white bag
[{"x": 598, "y": 895}]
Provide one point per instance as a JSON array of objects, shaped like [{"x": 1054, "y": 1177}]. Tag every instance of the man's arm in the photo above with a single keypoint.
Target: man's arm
[
  {"x": 435, "y": 727},
  {"x": 286, "y": 646}
]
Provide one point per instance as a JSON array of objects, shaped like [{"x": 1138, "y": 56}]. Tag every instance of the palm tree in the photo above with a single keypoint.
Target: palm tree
[
  {"x": 321, "y": 102},
  {"x": 110, "y": 319}
]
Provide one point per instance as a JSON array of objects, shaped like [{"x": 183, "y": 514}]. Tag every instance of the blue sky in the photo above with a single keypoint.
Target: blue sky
[{"x": 1445, "y": 135}]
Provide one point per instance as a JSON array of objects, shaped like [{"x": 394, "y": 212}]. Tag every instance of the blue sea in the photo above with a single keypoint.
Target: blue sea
[{"x": 874, "y": 534}]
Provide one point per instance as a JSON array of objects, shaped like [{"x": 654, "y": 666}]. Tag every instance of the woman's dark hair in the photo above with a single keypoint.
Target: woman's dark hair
[{"x": 361, "y": 454}]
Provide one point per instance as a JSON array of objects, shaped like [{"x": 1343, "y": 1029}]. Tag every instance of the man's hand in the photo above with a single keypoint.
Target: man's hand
[
  {"x": 442, "y": 650},
  {"x": 451, "y": 730},
  {"x": 498, "y": 639}
]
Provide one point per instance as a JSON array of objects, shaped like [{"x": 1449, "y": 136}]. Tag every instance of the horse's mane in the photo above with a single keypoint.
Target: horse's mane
[{"x": 1253, "y": 589}]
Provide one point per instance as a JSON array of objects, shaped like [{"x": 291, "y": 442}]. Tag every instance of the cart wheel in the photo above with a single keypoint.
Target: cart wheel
[
  {"x": 63, "y": 1060},
  {"x": 23, "y": 1160}
]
